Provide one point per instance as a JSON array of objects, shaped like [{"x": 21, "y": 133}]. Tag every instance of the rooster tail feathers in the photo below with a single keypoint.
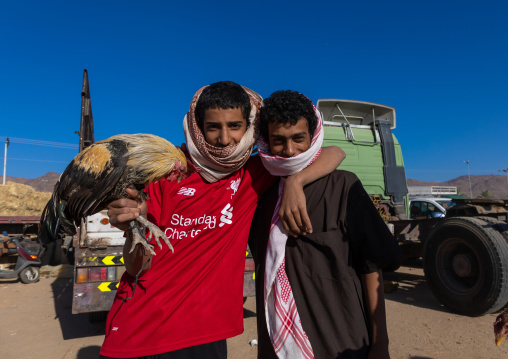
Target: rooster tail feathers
[
  {"x": 47, "y": 223},
  {"x": 64, "y": 222},
  {"x": 54, "y": 222}
]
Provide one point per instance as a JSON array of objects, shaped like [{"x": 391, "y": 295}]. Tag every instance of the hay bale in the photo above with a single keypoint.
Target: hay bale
[{"x": 17, "y": 199}]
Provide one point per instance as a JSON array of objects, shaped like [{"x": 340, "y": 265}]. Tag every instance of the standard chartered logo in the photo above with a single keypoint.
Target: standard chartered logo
[
  {"x": 227, "y": 214},
  {"x": 185, "y": 226}
]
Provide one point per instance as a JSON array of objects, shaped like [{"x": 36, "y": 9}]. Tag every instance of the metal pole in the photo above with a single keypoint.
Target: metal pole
[
  {"x": 5, "y": 159},
  {"x": 469, "y": 175}
]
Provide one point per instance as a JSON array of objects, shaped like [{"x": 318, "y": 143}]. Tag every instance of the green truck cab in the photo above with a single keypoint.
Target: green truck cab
[
  {"x": 364, "y": 132},
  {"x": 464, "y": 252}
]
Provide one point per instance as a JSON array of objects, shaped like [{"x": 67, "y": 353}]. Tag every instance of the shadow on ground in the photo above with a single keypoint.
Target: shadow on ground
[
  {"x": 72, "y": 325},
  {"x": 248, "y": 313},
  {"x": 78, "y": 325},
  {"x": 412, "y": 287},
  {"x": 91, "y": 352}
]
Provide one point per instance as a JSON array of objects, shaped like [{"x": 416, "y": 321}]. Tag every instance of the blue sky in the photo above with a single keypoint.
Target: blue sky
[{"x": 441, "y": 64}]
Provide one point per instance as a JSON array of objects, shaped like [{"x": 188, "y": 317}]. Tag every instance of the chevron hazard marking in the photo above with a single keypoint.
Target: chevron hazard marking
[
  {"x": 108, "y": 286},
  {"x": 104, "y": 287},
  {"x": 112, "y": 260}
]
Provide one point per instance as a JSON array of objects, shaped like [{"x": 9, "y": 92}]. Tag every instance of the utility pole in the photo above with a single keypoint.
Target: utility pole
[
  {"x": 469, "y": 175},
  {"x": 5, "y": 159}
]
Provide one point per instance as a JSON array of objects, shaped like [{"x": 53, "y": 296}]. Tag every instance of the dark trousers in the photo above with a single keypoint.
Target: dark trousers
[{"x": 215, "y": 350}]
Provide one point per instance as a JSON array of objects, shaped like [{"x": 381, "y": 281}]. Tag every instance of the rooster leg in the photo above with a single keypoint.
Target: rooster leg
[
  {"x": 155, "y": 232},
  {"x": 138, "y": 237}
]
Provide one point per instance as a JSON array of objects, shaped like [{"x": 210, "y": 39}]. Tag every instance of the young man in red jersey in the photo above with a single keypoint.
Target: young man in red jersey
[{"x": 188, "y": 302}]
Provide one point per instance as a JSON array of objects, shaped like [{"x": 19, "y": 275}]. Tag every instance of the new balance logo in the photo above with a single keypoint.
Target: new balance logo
[
  {"x": 227, "y": 214},
  {"x": 187, "y": 191}
]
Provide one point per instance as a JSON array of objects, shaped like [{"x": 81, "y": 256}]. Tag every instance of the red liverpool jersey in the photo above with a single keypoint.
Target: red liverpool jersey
[{"x": 194, "y": 295}]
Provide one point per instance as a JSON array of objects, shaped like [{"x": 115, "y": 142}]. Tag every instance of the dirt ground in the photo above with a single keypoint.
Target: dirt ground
[{"x": 36, "y": 322}]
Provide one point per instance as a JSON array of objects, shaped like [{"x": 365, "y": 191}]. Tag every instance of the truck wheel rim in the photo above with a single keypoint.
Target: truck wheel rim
[{"x": 458, "y": 266}]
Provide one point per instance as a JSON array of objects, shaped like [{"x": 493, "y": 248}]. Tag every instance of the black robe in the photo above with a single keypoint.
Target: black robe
[{"x": 349, "y": 238}]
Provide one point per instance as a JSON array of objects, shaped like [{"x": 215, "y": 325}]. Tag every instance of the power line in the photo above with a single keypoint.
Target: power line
[
  {"x": 30, "y": 159},
  {"x": 26, "y": 141}
]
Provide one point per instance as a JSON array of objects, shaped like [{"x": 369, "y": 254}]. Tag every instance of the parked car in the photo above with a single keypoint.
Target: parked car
[{"x": 429, "y": 207}]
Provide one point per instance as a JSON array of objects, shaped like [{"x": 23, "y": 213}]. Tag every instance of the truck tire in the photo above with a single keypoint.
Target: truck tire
[
  {"x": 466, "y": 265},
  {"x": 500, "y": 226},
  {"x": 30, "y": 274}
]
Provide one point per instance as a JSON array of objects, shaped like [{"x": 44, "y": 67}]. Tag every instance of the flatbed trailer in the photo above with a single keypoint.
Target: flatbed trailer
[{"x": 14, "y": 225}]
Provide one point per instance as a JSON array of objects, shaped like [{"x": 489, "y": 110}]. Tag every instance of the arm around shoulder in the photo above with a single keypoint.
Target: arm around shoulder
[
  {"x": 328, "y": 160},
  {"x": 293, "y": 210}
]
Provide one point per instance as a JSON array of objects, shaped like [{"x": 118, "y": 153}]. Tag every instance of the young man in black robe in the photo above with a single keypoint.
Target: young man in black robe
[{"x": 319, "y": 295}]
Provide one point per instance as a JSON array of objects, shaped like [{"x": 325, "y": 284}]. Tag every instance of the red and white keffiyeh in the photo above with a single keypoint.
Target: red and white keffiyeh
[
  {"x": 284, "y": 325},
  {"x": 214, "y": 163}
]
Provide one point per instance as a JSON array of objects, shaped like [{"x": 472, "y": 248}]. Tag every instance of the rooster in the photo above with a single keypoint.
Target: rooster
[
  {"x": 100, "y": 174},
  {"x": 501, "y": 327}
]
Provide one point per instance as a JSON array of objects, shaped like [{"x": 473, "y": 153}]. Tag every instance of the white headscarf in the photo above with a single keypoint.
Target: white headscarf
[{"x": 214, "y": 163}]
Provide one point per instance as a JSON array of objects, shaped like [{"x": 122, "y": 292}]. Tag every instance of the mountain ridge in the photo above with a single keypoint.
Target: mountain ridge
[
  {"x": 497, "y": 184},
  {"x": 45, "y": 183}
]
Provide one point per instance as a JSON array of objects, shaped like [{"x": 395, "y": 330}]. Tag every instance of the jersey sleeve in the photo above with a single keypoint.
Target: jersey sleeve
[
  {"x": 262, "y": 180},
  {"x": 154, "y": 191},
  {"x": 373, "y": 245}
]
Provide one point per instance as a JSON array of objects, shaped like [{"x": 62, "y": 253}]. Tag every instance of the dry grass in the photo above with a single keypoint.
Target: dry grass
[{"x": 17, "y": 199}]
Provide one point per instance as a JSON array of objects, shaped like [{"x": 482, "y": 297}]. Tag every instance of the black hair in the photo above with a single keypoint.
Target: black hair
[
  {"x": 286, "y": 107},
  {"x": 222, "y": 95}
]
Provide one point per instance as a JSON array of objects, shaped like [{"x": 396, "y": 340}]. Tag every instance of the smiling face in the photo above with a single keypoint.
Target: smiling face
[
  {"x": 224, "y": 127},
  {"x": 288, "y": 140}
]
